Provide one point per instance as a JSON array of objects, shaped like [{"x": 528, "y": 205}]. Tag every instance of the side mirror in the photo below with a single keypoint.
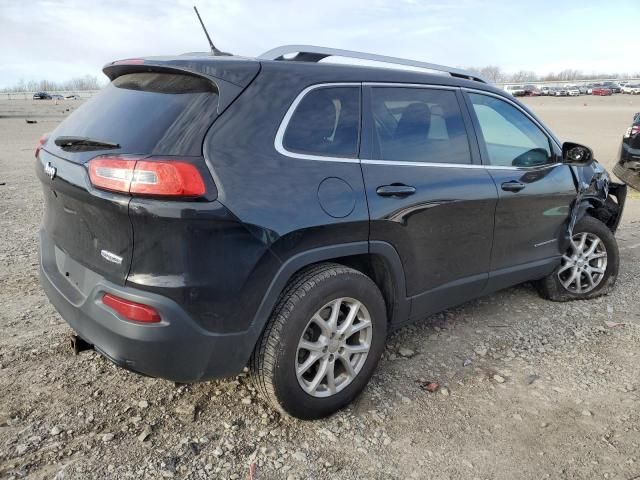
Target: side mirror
[{"x": 576, "y": 154}]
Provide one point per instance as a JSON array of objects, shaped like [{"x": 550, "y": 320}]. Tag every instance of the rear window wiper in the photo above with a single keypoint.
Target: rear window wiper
[{"x": 84, "y": 143}]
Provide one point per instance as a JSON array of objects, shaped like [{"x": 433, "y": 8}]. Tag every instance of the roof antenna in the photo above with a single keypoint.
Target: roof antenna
[{"x": 214, "y": 50}]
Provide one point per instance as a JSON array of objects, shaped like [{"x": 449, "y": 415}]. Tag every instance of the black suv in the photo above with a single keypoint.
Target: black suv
[
  {"x": 204, "y": 213},
  {"x": 42, "y": 96},
  {"x": 628, "y": 167}
]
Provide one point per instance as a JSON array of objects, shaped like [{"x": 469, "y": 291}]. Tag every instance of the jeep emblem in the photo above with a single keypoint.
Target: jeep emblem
[{"x": 50, "y": 170}]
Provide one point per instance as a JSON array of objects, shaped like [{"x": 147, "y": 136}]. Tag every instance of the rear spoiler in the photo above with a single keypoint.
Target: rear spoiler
[{"x": 231, "y": 75}]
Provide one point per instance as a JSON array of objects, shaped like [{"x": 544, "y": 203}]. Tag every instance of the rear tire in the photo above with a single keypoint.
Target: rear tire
[
  {"x": 589, "y": 268},
  {"x": 326, "y": 313}
]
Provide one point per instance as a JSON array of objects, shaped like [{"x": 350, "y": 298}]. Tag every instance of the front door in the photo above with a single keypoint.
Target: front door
[
  {"x": 535, "y": 191},
  {"x": 428, "y": 195}
]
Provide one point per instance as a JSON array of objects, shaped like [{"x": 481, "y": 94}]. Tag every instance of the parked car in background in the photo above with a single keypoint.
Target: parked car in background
[
  {"x": 531, "y": 91},
  {"x": 583, "y": 89},
  {"x": 573, "y": 91},
  {"x": 602, "y": 91},
  {"x": 57, "y": 96},
  {"x": 631, "y": 88},
  {"x": 73, "y": 97},
  {"x": 545, "y": 90},
  {"x": 561, "y": 92},
  {"x": 171, "y": 243},
  {"x": 41, "y": 96},
  {"x": 515, "y": 90},
  {"x": 613, "y": 86},
  {"x": 628, "y": 166}
]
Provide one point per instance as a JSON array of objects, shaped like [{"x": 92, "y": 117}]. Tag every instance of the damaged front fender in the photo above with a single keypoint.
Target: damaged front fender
[{"x": 597, "y": 196}]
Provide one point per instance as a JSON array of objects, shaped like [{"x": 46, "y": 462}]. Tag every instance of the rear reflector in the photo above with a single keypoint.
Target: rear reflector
[
  {"x": 41, "y": 142},
  {"x": 136, "y": 312},
  {"x": 171, "y": 178}
]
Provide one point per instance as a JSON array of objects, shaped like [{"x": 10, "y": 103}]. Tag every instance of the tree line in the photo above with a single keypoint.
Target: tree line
[
  {"x": 88, "y": 82},
  {"x": 495, "y": 75}
]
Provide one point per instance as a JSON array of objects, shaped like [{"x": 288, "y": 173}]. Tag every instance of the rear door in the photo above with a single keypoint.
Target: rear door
[
  {"x": 143, "y": 114},
  {"x": 535, "y": 191},
  {"x": 428, "y": 196}
]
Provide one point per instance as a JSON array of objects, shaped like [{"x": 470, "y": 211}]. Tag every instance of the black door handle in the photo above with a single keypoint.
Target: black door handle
[
  {"x": 396, "y": 190},
  {"x": 512, "y": 186}
]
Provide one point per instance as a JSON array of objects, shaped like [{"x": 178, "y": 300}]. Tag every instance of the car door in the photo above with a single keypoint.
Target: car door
[
  {"x": 428, "y": 195},
  {"x": 535, "y": 190}
]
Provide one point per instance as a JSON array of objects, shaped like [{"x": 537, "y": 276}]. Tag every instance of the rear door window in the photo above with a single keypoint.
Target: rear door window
[
  {"x": 326, "y": 122},
  {"x": 419, "y": 125},
  {"x": 146, "y": 113}
]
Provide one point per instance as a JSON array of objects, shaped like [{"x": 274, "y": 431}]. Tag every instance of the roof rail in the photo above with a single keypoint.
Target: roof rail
[{"x": 309, "y": 53}]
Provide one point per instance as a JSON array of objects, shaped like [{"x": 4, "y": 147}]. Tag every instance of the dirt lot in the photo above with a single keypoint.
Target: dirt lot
[{"x": 529, "y": 389}]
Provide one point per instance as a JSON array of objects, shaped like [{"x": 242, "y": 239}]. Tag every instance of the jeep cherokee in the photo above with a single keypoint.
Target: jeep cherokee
[{"x": 205, "y": 213}]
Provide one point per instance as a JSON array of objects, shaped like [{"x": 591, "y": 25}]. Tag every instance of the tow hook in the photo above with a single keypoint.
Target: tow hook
[{"x": 79, "y": 345}]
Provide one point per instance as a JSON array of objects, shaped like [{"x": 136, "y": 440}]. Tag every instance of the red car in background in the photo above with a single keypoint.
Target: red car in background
[{"x": 601, "y": 91}]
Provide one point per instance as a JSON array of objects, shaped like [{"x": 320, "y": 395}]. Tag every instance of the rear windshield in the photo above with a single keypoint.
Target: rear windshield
[{"x": 147, "y": 113}]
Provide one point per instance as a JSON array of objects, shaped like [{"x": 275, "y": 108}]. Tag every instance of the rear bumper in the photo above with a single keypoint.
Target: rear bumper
[{"x": 176, "y": 348}]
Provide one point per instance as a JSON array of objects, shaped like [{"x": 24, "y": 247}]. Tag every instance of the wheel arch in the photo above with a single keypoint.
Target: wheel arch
[
  {"x": 609, "y": 210},
  {"x": 378, "y": 260}
]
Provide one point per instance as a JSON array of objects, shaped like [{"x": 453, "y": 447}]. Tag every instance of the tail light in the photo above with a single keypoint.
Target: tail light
[
  {"x": 133, "y": 175},
  {"x": 136, "y": 312},
  {"x": 635, "y": 129},
  {"x": 41, "y": 142}
]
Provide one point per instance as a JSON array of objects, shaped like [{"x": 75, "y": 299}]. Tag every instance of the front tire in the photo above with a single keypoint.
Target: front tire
[
  {"x": 588, "y": 269},
  {"x": 322, "y": 342}
]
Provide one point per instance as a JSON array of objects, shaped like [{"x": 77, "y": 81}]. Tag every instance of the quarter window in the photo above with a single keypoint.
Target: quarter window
[
  {"x": 326, "y": 122},
  {"x": 419, "y": 125},
  {"x": 511, "y": 138}
]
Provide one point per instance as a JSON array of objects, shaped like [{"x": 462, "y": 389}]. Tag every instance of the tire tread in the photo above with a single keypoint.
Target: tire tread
[
  {"x": 550, "y": 287},
  {"x": 263, "y": 360}
]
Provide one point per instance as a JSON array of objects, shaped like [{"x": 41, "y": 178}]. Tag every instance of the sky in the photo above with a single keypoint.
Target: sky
[{"x": 58, "y": 40}]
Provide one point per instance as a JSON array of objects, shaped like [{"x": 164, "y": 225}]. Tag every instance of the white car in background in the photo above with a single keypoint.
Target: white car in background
[
  {"x": 632, "y": 88},
  {"x": 546, "y": 90},
  {"x": 573, "y": 91},
  {"x": 515, "y": 90}
]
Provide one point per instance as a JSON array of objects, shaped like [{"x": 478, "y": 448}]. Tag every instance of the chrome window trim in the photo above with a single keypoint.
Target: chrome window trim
[
  {"x": 455, "y": 165},
  {"x": 410, "y": 85},
  {"x": 287, "y": 117},
  {"x": 302, "y": 156}
]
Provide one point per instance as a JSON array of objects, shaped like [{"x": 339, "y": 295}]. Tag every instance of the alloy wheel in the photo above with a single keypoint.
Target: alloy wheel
[
  {"x": 334, "y": 347},
  {"x": 584, "y": 265}
]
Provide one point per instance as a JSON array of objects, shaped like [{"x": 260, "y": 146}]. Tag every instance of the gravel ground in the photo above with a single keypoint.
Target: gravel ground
[{"x": 528, "y": 389}]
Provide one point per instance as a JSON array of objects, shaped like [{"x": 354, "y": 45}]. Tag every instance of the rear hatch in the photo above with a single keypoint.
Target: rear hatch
[{"x": 141, "y": 115}]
